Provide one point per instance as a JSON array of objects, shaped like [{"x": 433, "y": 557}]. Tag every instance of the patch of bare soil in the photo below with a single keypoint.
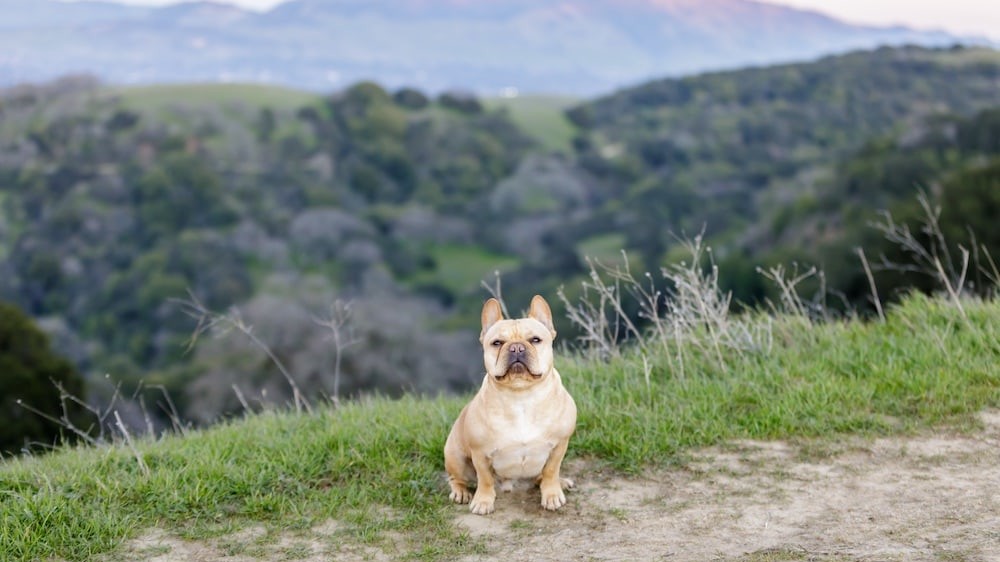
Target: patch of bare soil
[
  {"x": 921, "y": 498},
  {"x": 928, "y": 498}
]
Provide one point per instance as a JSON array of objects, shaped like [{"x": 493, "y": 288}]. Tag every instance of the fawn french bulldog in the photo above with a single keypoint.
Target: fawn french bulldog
[{"x": 519, "y": 423}]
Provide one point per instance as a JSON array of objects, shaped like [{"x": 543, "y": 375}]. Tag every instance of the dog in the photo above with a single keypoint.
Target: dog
[{"x": 519, "y": 423}]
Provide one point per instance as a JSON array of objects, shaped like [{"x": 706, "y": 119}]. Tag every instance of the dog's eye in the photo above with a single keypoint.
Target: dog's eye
[
  {"x": 536, "y": 339},
  {"x": 496, "y": 343}
]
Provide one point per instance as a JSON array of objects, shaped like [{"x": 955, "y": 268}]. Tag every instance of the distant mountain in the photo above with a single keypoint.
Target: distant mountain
[{"x": 565, "y": 46}]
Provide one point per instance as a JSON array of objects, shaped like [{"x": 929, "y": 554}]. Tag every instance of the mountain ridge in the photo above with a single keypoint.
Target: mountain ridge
[{"x": 566, "y": 46}]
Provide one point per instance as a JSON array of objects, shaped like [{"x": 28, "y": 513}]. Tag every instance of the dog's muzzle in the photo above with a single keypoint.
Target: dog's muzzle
[
  {"x": 518, "y": 353},
  {"x": 517, "y": 361}
]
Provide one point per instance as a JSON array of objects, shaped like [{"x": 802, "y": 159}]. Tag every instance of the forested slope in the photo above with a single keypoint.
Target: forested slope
[
  {"x": 110, "y": 212},
  {"x": 116, "y": 203},
  {"x": 752, "y": 155}
]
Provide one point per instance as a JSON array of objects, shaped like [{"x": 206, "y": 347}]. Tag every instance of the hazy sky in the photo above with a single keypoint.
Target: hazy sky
[{"x": 977, "y": 17}]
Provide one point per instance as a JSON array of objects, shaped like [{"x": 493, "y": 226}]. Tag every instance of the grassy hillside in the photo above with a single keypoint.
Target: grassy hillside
[
  {"x": 162, "y": 97},
  {"x": 375, "y": 466},
  {"x": 542, "y": 117}
]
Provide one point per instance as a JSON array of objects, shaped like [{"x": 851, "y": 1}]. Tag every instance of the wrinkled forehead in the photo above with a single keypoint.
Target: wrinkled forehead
[{"x": 520, "y": 329}]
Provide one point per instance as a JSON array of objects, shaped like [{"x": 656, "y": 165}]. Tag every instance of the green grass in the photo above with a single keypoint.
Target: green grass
[
  {"x": 606, "y": 248},
  {"x": 968, "y": 55},
  {"x": 925, "y": 366},
  {"x": 290, "y": 470},
  {"x": 460, "y": 268},
  {"x": 376, "y": 465},
  {"x": 542, "y": 117},
  {"x": 163, "y": 97}
]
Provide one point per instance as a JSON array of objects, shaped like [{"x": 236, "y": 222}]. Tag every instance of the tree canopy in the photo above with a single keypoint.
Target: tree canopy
[{"x": 33, "y": 377}]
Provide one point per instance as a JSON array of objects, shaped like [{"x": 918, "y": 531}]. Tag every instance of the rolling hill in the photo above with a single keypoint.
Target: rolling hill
[
  {"x": 114, "y": 203},
  {"x": 746, "y": 156}
]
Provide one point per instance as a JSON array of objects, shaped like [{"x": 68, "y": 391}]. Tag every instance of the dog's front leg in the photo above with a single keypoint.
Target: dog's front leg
[
  {"x": 550, "y": 484},
  {"x": 486, "y": 495}
]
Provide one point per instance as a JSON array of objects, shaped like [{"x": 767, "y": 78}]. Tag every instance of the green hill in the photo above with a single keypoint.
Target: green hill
[
  {"x": 163, "y": 97},
  {"x": 119, "y": 200},
  {"x": 277, "y": 208},
  {"x": 542, "y": 117},
  {"x": 374, "y": 467},
  {"x": 736, "y": 153}
]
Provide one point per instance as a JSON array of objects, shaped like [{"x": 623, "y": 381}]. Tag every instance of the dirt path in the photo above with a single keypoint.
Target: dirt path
[{"x": 929, "y": 498}]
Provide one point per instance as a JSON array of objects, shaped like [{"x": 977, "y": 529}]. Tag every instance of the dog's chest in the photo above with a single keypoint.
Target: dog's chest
[{"x": 523, "y": 447}]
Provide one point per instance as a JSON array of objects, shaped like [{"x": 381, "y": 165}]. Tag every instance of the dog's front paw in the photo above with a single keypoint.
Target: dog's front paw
[
  {"x": 460, "y": 494},
  {"x": 482, "y": 504},
  {"x": 553, "y": 497},
  {"x": 567, "y": 484}
]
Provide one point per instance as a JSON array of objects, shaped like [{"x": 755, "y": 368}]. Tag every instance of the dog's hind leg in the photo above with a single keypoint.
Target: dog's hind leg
[
  {"x": 460, "y": 470},
  {"x": 460, "y": 473},
  {"x": 566, "y": 483}
]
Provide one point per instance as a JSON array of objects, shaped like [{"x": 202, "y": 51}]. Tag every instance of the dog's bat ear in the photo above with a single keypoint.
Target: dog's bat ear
[
  {"x": 490, "y": 316},
  {"x": 540, "y": 311}
]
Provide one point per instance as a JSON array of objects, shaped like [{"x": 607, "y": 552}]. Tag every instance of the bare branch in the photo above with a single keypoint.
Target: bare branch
[
  {"x": 871, "y": 283},
  {"x": 993, "y": 274},
  {"x": 171, "y": 411},
  {"x": 496, "y": 292},
  {"x": 691, "y": 313},
  {"x": 933, "y": 257},
  {"x": 128, "y": 442},
  {"x": 208, "y": 320},
  {"x": 343, "y": 337}
]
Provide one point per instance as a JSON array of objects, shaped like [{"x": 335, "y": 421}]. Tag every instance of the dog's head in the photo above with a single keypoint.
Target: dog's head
[{"x": 517, "y": 352}]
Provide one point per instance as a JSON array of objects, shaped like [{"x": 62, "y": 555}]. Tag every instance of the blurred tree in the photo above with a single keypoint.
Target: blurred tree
[
  {"x": 266, "y": 124},
  {"x": 461, "y": 102},
  {"x": 121, "y": 120},
  {"x": 971, "y": 204},
  {"x": 410, "y": 98},
  {"x": 29, "y": 373},
  {"x": 182, "y": 192}
]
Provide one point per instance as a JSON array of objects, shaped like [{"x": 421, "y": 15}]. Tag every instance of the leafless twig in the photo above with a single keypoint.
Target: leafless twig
[
  {"x": 128, "y": 441},
  {"x": 209, "y": 320},
  {"x": 496, "y": 292},
  {"x": 871, "y": 283},
  {"x": 343, "y": 337}
]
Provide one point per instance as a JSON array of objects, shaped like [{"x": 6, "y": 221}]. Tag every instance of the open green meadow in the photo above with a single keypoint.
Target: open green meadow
[
  {"x": 542, "y": 117},
  {"x": 162, "y": 97}
]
